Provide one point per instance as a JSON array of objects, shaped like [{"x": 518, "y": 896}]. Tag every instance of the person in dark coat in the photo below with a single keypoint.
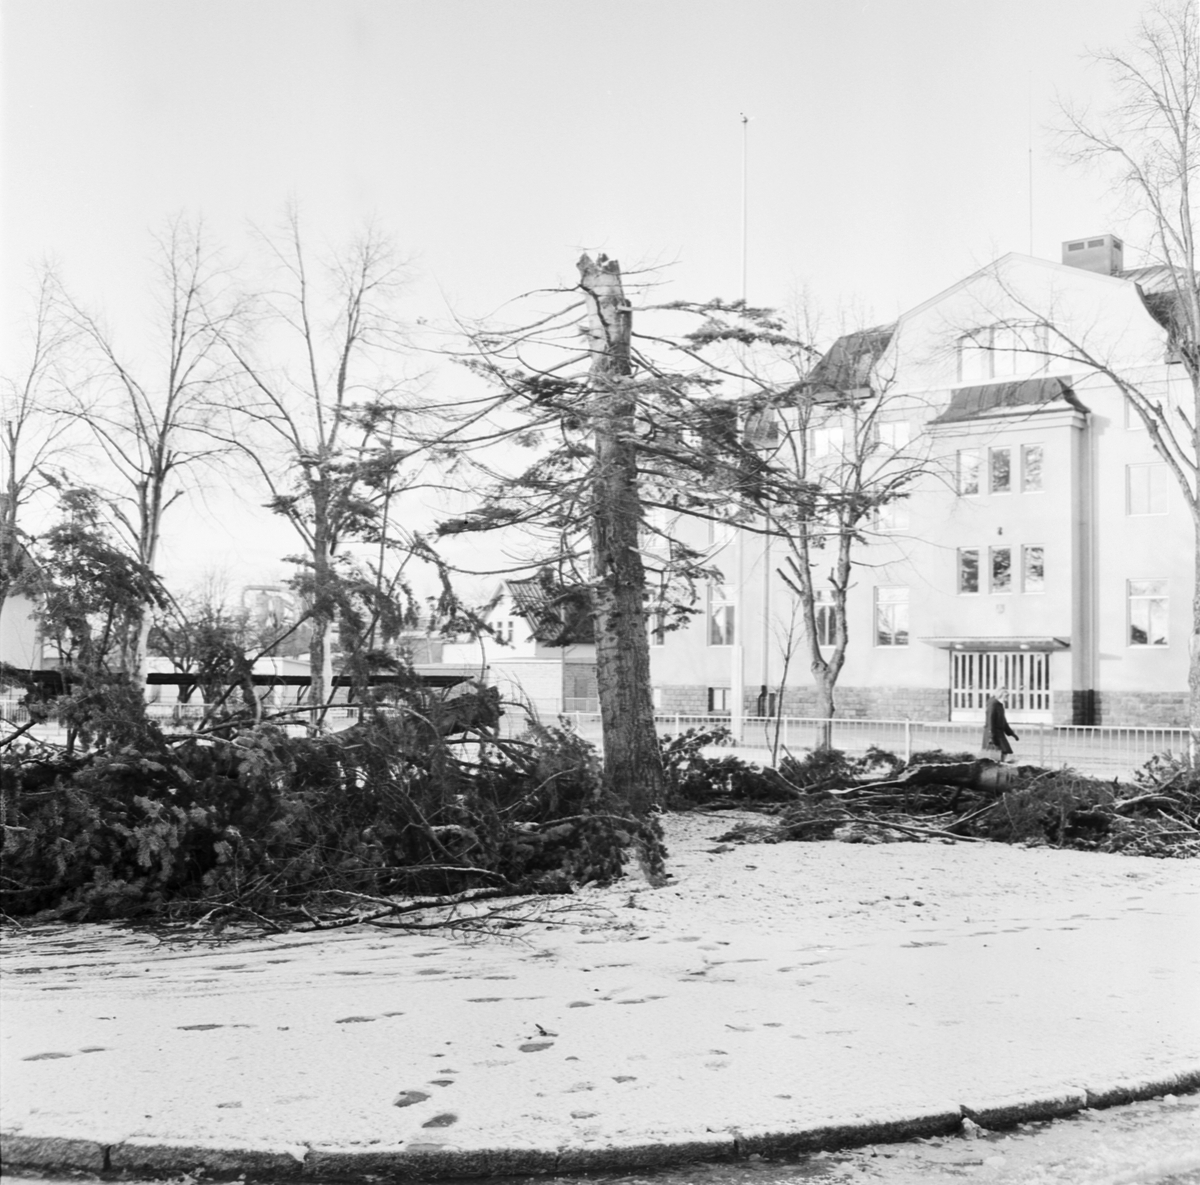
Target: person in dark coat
[{"x": 996, "y": 729}]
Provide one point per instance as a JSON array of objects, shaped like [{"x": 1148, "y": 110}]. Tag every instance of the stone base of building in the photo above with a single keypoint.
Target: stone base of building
[{"x": 1144, "y": 709}]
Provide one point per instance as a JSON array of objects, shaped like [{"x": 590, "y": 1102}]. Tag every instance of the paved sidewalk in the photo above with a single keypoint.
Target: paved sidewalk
[{"x": 772, "y": 998}]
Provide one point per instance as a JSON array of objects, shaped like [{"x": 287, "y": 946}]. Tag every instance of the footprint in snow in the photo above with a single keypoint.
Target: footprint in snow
[
  {"x": 406, "y": 1098},
  {"x": 355, "y": 1020},
  {"x": 534, "y": 1046}
]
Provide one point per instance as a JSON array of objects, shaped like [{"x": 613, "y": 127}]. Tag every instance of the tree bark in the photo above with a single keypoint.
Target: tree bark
[{"x": 632, "y": 759}]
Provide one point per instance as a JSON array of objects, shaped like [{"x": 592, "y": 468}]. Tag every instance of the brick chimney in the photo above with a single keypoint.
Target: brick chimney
[{"x": 1102, "y": 253}]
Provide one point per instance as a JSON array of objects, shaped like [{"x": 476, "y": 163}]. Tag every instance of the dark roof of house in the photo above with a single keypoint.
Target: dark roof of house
[
  {"x": 847, "y": 364},
  {"x": 559, "y": 615},
  {"x": 973, "y": 403},
  {"x": 1162, "y": 287}
]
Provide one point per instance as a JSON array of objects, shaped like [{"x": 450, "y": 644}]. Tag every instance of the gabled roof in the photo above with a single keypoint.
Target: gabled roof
[
  {"x": 559, "y": 615},
  {"x": 993, "y": 399}
]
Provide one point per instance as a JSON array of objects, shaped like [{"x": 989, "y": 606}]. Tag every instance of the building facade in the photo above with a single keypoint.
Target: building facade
[{"x": 1044, "y": 546}]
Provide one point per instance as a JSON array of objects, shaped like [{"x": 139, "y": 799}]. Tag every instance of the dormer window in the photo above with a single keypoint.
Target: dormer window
[{"x": 998, "y": 351}]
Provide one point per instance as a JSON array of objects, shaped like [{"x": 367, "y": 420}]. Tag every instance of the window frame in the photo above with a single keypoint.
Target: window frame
[
  {"x": 975, "y": 455},
  {"x": 727, "y": 606},
  {"x": 962, "y": 569},
  {"x": 993, "y": 452},
  {"x": 722, "y": 694},
  {"x": 1026, "y": 450},
  {"x": 824, "y": 617},
  {"x": 995, "y": 588},
  {"x": 1152, "y": 470},
  {"x": 899, "y": 607},
  {"x": 1149, "y": 599},
  {"x": 1026, "y": 549}
]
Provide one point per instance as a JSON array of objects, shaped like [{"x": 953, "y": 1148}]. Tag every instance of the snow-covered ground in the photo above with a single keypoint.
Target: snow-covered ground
[{"x": 767, "y": 990}]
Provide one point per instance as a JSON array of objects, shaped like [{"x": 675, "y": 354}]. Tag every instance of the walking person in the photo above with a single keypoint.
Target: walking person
[{"x": 996, "y": 729}]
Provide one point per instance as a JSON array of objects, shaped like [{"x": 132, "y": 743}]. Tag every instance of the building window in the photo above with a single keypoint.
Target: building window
[
  {"x": 893, "y": 434},
  {"x": 1146, "y": 489},
  {"x": 823, "y": 612},
  {"x": 721, "y": 532},
  {"x": 720, "y": 615},
  {"x": 826, "y": 442},
  {"x": 1001, "y": 569},
  {"x": 656, "y": 698},
  {"x": 891, "y": 616},
  {"x": 1031, "y": 468},
  {"x": 968, "y": 569},
  {"x": 718, "y": 699},
  {"x": 1147, "y": 613},
  {"x": 1018, "y": 349},
  {"x": 1001, "y": 470},
  {"x": 658, "y": 627},
  {"x": 1033, "y": 569},
  {"x": 969, "y": 464},
  {"x": 975, "y": 356}
]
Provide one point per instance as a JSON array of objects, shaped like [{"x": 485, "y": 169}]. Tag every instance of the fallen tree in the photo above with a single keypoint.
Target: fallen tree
[{"x": 946, "y": 797}]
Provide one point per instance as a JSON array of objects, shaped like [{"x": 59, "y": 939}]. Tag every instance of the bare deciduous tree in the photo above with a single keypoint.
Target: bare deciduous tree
[
  {"x": 34, "y": 426},
  {"x": 323, "y": 412},
  {"x": 150, "y": 410}
]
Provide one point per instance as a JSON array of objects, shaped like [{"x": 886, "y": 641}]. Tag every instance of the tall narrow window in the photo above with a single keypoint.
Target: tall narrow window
[
  {"x": 891, "y": 616},
  {"x": 1033, "y": 569},
  {"x": 1147, "y": 613},
  {"x": 975, "y": 356},
  {"x": 968, "y": 570},
  {"x": 1146, "y": 489},
  {"x": 1001, "y": 470},
  {"x": 657, "y": 619},
  {"x": 823, "y": 612},
  {"x": 1001, "y": 569},
  {"x": 720, "y": 615},
  {"x": 969, "y": 465},
  {"x": 1031, "y": 468}
]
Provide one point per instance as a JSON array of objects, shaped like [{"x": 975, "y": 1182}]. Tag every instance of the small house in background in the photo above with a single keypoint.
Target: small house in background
[{"x": 539, "y": 648}]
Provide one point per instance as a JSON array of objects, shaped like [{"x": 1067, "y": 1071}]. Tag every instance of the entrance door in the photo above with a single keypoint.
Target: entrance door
[{"x": 975, "y": 675}]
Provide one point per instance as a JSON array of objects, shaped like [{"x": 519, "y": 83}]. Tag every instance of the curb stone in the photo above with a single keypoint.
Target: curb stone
[
  {"x": 636, "y": 1153},
  {"x": 1134, "y": 1090},
  {"x": 848, "y": 1135},
  {"x": 1009, "y": 1111},
  {"x": 149, "y": 1155},
  {"x": 429, "y": 1160},
  {"x": 52, "y": 1152},
  {"x": 280, "y": 1163}
]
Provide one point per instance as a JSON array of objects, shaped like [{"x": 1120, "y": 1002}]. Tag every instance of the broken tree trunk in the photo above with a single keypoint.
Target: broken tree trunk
[{"x": 632, "y": 760}]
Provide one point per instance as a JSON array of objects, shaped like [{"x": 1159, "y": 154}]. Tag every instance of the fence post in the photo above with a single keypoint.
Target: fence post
[
  {"x": 1042, "y": 745},
  {"x": 907, "y": 741}
]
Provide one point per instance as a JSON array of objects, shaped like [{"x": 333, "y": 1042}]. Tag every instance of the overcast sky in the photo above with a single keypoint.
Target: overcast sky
[{"x": 889, "y": 145}]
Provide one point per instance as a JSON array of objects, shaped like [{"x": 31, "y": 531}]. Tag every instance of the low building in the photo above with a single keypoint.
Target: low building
[
  {"x": 1044, "y": 547},
  {"x": 538, "y": 648}
]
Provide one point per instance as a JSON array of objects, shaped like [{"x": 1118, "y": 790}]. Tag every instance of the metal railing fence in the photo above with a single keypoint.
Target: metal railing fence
[{"x": 1098, "y": 751}]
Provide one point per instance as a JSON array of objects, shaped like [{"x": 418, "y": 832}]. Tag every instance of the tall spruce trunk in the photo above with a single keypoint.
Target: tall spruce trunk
[{"x": 633, "y": 769}]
